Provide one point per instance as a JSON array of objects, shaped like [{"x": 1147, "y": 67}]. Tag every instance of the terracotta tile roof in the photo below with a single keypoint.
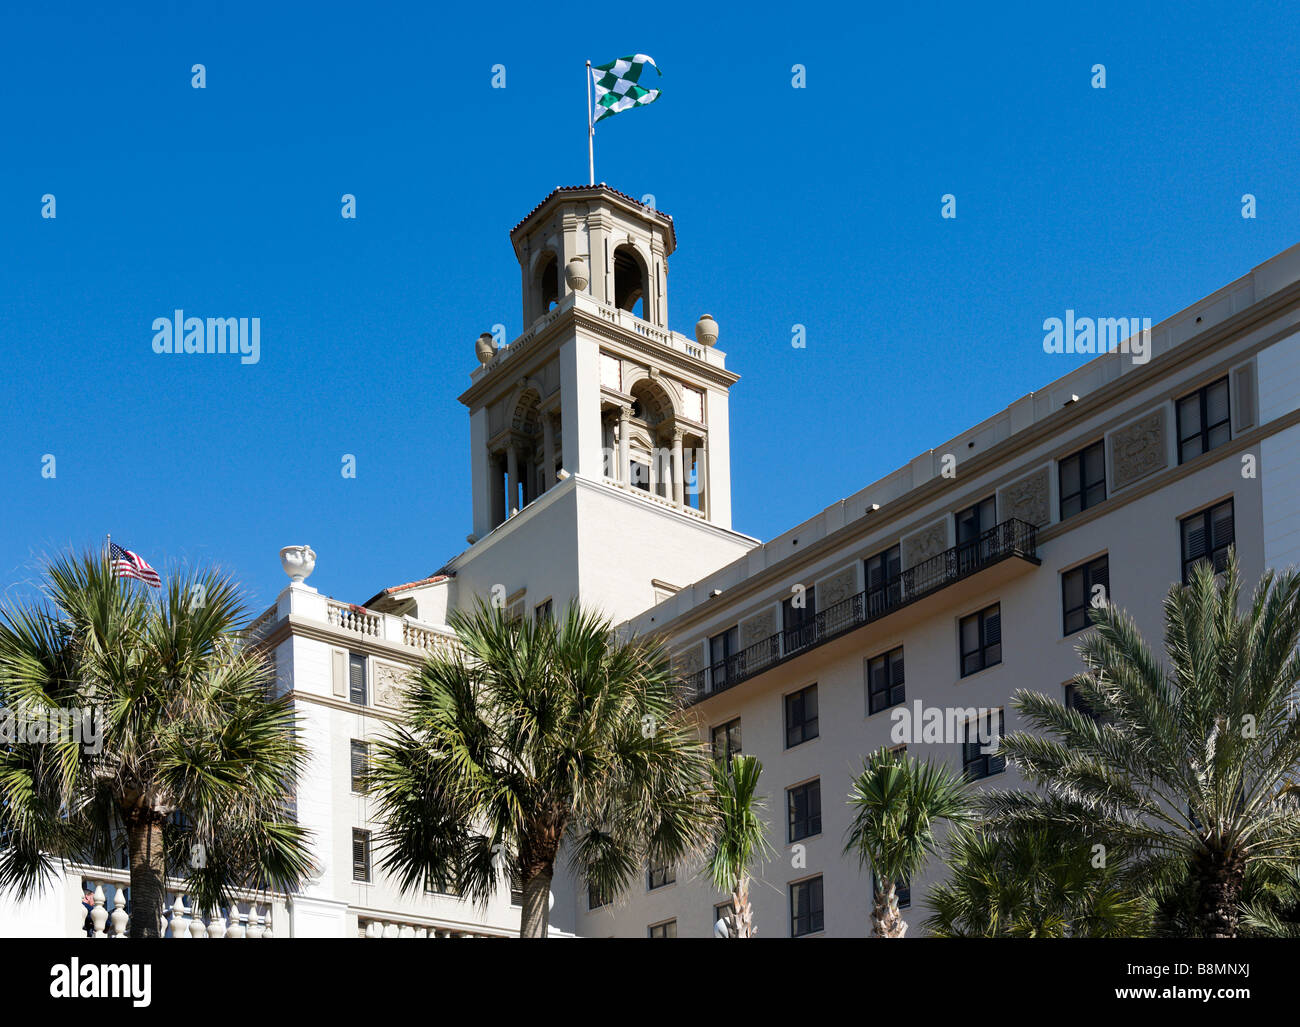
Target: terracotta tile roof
[
  {"x": 432, "y": 580},
  {"x": 599, "y": 187}
]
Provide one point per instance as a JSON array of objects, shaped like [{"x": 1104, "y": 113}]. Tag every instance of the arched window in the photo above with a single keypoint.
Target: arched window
[
  {"x": 549, "y": 282},
  {"x": 629, "y": 281}
]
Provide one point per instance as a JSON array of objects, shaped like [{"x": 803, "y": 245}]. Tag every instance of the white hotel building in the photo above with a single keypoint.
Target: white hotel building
[{"x": 601, "y": 474}]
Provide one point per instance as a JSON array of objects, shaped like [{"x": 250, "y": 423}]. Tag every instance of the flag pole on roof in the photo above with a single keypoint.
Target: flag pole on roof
[
  {"x": 617, "y": 90},
  {"x": 591, "y": 134}
]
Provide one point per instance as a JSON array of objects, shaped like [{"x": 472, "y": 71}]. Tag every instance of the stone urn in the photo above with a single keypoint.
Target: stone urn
[
  {"x": 485, "y": 349},
  {"x": 298, "y": 562},
  {"x": 706, "y": 330},
  {"x": 576, "y": 274}
]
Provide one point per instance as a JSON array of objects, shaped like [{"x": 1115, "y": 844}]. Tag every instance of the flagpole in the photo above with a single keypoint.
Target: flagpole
[{"x": 591, "y": 134}]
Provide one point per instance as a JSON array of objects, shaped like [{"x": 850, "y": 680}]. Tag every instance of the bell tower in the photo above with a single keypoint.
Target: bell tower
[{"x": 597, "y": 387}]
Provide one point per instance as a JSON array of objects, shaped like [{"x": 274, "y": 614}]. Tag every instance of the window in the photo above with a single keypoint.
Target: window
[
  {"x": 1203, "y": 420},
  {"x": 595, "y": 897},
  {"x": 360, "y": 855},
  {"x": 1207, "y": 536},
  {"x": 360, "y": 759},
  {"x": 357, "y": 678},
  {"x": 667, "y": 929},
  {"x": 1082, "y": 479},
  {"x": 885, "y": 681},
  {"x": 721, "y": 911},
  {"x": 1077, "y": 592},
  {"x": 981, "y": 640},
  {"x": 804, "y": 803},
  {"x": 726, "y": 740},
  {"x": 975, "y": 520},
  {"x": 806, "y": 907},
  {"x": 1074, "y": 700},
  {"x": 722, "y": 651},
  {"x": 979, "y": 756},
  {"x": 516, "y": 888},
  {"x": 881, "y": 574},
  {"x": 542, "y": 611},
  {"x": 640, "y": 472},
  {"x": 902, "y": 890},
  {"x": 799, "y": 622},
  {"x": 660, "y": 876},
  {"x": 801, "y": 716}
]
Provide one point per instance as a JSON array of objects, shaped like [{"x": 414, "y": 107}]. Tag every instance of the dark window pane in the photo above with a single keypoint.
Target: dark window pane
[
  {"x": 1189, "y": 413},
  {"x": 806, "y": 907},
  {"x": 980, "y": 637},
  {"x": 1204, "y": 420}
]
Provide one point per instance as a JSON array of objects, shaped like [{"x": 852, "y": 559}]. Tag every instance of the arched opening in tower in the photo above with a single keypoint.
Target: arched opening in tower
[
  {"x": 550, "y": 283},
  {"x": 629, "y": 281}
]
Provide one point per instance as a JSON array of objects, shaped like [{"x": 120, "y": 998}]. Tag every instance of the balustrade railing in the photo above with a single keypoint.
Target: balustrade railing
[
  {"x": 354, "y": 618},
  {"x": 1010, "y": 538},
  {"x": 371, "y": 928},
  {"x": 112, "y": 917},
  {"x": 423, "y": 636}
]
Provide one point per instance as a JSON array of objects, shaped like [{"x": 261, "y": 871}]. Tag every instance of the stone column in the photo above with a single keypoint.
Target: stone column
[
  {"x": 512, "y": 469},
  {"x": 624, "y": 465},
  {"x": 548, "y": 452},
  {"x": 679, "y": 472},
  {"x": 498, "y": 490},
  {"x": 702, "y": 475}
]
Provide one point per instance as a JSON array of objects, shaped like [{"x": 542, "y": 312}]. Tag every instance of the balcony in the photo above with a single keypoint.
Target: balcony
[{"x": 1011, "y": 538}]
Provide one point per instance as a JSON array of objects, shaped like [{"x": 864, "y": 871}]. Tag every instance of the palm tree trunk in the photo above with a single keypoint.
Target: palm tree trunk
[
  {"x": 742, "y": 912},
  {"x": 536, "y": 916},
  {"x": 886, "y": 920},
  {"x": 1218, "y": 889},
  {"x": 148, "y": 871}
]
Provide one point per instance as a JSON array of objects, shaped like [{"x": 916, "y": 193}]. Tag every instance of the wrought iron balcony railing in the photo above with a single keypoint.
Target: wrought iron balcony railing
[{"x": 1010, "y": 538}]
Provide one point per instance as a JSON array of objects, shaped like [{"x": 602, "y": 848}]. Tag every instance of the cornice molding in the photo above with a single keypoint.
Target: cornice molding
[{"x": 1059, "y": 422}]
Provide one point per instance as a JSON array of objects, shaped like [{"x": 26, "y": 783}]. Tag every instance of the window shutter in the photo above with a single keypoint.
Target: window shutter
[
  {"x": 993, "y": 628},
  {"x": 360, "y": 759},
  {"x": 357, "y": 679},
  {"x": 360, "y": 855},
  {"x": 1194, "y": 540},
  {"x": 998, "y": 763},
  {"x": 1244, "y": 379},
  {"x": 1221, "y": 520},
  {"x": 340, "y": 673}
]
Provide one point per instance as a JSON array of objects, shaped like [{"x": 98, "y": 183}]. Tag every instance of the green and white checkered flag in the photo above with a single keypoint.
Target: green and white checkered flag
[{"x": 617, "y": 86}]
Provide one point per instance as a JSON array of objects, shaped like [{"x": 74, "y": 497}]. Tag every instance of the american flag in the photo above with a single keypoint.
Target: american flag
[{"x": 127, "y": 564}]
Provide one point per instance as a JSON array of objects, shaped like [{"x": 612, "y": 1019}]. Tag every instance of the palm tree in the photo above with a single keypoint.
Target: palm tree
[
  {"x": 1031, "y": 884},
  {"x": 197, "y": 760},
  {"x": 528, "y": 736},
  {"x": 1186, "y": 767},
  {"x": 1273, "y": 910},
  {"x": 740, "y": 837},
  {"x": 899, "y": 801}
]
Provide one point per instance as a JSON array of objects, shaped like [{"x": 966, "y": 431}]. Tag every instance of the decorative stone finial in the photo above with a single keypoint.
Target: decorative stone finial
[
  {"x": 486, "y": 348},
  {"x": 706, "y": 330},
  {"x": 298, "y": 562},
  {"x": 576, "y": 274}
]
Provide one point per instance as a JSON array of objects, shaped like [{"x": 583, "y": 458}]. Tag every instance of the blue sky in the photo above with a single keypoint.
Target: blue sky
[{"x": 817, "y": 206}]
